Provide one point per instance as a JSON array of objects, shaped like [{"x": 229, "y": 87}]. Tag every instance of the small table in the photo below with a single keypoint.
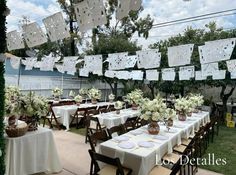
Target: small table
[
  {"x": 34, "y": 152},
  {"x": 229, "y": 106}
]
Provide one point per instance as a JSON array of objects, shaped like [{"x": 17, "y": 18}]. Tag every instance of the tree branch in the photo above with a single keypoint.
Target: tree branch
[{"x": 222, "y": 93}]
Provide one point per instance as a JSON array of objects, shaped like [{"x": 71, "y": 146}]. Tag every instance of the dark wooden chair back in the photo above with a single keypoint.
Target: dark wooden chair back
[
  {"x": 95, "y": 137},
  {"x": 116, "y": 129},
  {"x": 130, "y": 124}
]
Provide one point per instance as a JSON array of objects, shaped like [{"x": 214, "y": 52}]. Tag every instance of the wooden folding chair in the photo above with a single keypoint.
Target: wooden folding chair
[
  {"x": 52, "y": 116},
  {"x": 79, "y": 114},
  {"x": 116, "y": 129}
]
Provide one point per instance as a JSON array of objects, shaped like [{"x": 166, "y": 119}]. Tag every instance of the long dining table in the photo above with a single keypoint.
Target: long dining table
[
  {"x": 65, "y": 111},
  {"x": 141, "y": 151}
]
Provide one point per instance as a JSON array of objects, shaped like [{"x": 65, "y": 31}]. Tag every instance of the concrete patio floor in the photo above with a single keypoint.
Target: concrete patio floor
[{"x": 73, "y": 153}]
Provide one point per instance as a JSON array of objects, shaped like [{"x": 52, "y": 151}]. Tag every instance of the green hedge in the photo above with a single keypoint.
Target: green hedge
[{"x": 2, "y": 82}]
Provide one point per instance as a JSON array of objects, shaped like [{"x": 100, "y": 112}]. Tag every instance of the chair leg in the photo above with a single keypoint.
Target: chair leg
[{"x": 77, "y": 122}]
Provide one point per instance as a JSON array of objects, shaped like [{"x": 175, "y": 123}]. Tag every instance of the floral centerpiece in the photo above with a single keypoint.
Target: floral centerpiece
[
  {"x": 118, "y": 106},
  {"x": 154, "y": 111},
  {"x": 170, "y": 116},
  {"x": 78, "y": 99},
  {"x": 83, "y": 91},
  {"x": 135, "y": 98},
  {"x": 57, "y": 92},
  {"x": 94, "y": 94},
  {"x": 111, "y": 97},
  {"x": 72, "y": 94},
  {"x": 196, "y": 101},
  {"x": 182, "y": 107}
]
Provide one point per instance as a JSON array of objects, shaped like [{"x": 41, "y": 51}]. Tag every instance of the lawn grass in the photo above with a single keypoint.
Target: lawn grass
[
  {"x": 81, "y": 131},
  {"x": 224, "y": 146}
]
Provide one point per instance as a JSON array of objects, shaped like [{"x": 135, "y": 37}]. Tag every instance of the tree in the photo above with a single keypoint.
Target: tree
[
  {"x": 197, "y": 37},
  {"x": 3, "y": 9}
]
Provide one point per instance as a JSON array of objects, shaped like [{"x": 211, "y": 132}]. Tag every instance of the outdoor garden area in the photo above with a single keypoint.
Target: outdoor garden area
[{"x": 117, "y": 87}]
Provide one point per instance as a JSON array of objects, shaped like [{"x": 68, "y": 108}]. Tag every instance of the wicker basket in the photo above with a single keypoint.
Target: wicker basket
[{"x": 17, "y": 131}]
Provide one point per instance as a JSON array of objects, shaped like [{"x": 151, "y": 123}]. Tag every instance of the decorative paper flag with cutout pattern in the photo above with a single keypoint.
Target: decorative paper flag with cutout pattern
[
  {"x": 198, "y": 76},
  {"x": 60, "y": 68},
  {"x": 48, "y": 62},
  {"x": 93, "y": 63},
  {"x": 29, "y": 63},
  {"x": 136, "y": 75},
  {"x": 180, "y": 55},
  {"x": 14, "y": 41},
  {"x": 117, "y": 61},
  {"x": 168, "y": 74},
  {"x": 130, "y": 61},
  {"x": 231, "y": 65},
  {"x": 187, "y": 72},
  {"x": 148, "y": 59},
  {"x": 125, "y": 75},
  {"x": 219, "y": 75},
  {"x": 83, "y": 73},
  {"x": 218, "y": 50},
  {"x": 15, "y": 62},
  {"x": 110, "y": 74},
  {"x": 209, "y": 69},
  {"x": 56, "y": 27},
  {"x": 70, "y": 64},
  {"x": 123, "y": 9},
  {"x": 33, "y": 35},
  {"x": 233, "y": 75},
  {"x": 152, "y": 75}
]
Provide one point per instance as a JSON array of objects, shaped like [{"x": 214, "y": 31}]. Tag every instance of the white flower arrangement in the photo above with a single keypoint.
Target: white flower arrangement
[
  {"x": 135, "y": 97},
  {"x": 78, "y": 99},
  {"x": 171, "y": 114},
  {"x": 83, "y": 91},
  {"x": 56, "y": 92},
  {"x": 118, "y": 105},
  {"x": 94, "y": 93},
  {"x": 183, "y": 105},
  {"x": 12, "y": 105},
  {"x": 196, "y": 100},
  {"x": 71, "y": 94},
  {"x": 154, "y": 110},
  {"x": 111, "y": 97}
]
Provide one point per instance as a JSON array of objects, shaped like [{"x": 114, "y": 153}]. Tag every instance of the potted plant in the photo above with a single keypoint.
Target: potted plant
[
  {"x": 118, "y": 106},
  {"x": 94, "y": 94},
  {"x": 111, "y": 97},
  {"x": 182, "y": 107},
  {"x": 154, "y": 111},
  {"x": 135, "y": 98},
  {"x": 57, "y": 92},
  {"x": 170, "y": 116},
  {"x": 196, "y": 100},
  {"x": 83, "y": 92},
  {"x": 78, "y": 99}
]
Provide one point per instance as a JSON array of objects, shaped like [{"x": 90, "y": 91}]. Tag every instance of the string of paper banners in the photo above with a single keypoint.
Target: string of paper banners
[{"x": 118, "y": 63}]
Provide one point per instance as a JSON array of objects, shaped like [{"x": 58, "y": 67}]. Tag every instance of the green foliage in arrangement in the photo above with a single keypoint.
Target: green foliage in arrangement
[{"x": 2, "y": 83}]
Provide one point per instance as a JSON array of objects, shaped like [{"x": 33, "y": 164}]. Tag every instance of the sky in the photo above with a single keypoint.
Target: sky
[{"x": 160, "y": 11}]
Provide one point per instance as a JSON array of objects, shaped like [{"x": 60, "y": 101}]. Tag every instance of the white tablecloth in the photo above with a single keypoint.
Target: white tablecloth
[
  {"x": 66, "y": 110},
  {"x": 111, "y": 119},
  {"x": 141, "y": 160},
  {"x": 32, "y": 153}
]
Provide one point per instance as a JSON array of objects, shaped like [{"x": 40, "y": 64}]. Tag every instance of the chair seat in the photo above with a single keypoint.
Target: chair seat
[
  {"x": 180, "y": 148},
  {"x": 93, "y": 126},
  {"x": 160, "y": 170},
  {"x": 111, "y": 170},
  {"x": 57, "y": 116},
  {"x": 172, "y": 157},
  {"x": 185, "y": 142}
]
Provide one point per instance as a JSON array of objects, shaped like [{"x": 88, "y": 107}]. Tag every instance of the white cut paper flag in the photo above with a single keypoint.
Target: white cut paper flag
[
  {"x": 29, "y": 63},
  {"x": 83, "y": 73},
  {"x": 231, "y": 65},
  {"x": 47, "y": 63},
  {"x": 110, "y": 74},
  {"x": 93, "y": 63},
  {"x": 70, "y": 64},
  {"x": 130, "y": 61},
  {"x": 168, "y": 74},
  {"x": 218, "y": 50},
  {"x": 187, "y": 72},
  {"x": 198, "y": 76},
  {"x": 136, "y": 75},
  {"x": 233, "y": 75},
  {"x": 117, "y": 61},
  {"x": 14, "y": 41},
  {"x": 125, "y": 75},
  {"x": 98, "y": 12},
  {"x": 148, "y": 59},
  {"x": 33, "y": 35},
  {"x": 83, "y": 16},
  {"x": 152, "y": 75},
  {"x": 56, "y": 27},
  {"x": 123, "y": 9},
  {"x": 135, "y": 5},
  {"x": 209, "y": 69},
  {"x": 219, "y": 75},
  {"x": 15, "y": 62},
  {"x": 180, "y": 55}
]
